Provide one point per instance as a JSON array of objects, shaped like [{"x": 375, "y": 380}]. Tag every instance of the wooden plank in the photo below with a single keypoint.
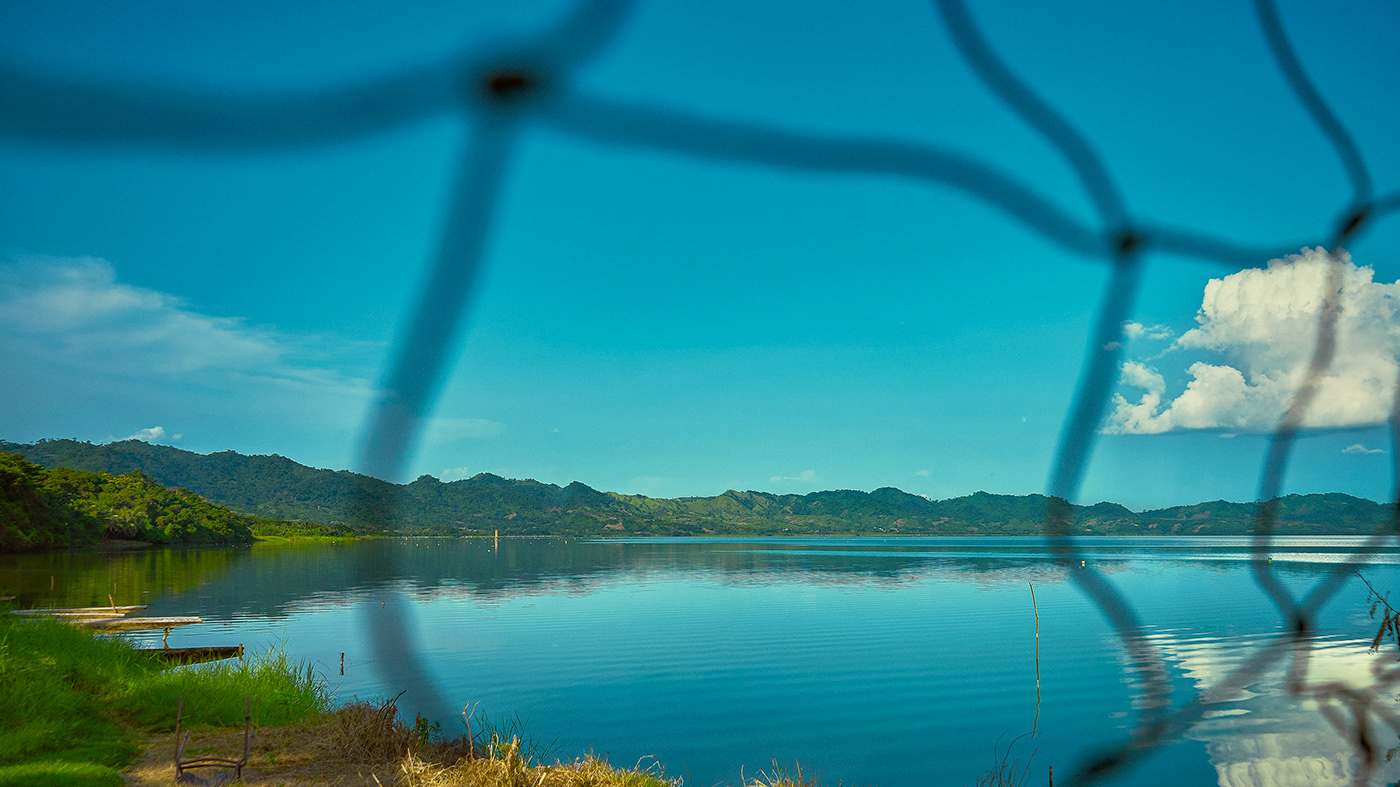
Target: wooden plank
[
  {"x": 83, "y": 611},
  {"x": 193, "y": 655},
  {"x": 141, "y": 623},
  {"x": 67, "y": 615}
]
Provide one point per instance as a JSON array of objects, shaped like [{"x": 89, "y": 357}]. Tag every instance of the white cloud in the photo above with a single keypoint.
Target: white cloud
[
  {"x": 1358, "y": 448},
  {"x": 1136, "y": 330},
  {"x": 923, "y": 473},
  {"x": 1263, "y": 322},
  {"x": 455, "y": 473},
  {"x": 153, "y": 434},
  {"x": 805, "y": 477}
]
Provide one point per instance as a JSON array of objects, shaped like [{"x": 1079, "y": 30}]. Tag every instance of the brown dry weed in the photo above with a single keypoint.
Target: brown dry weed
[{"x": 510, "y": 771}]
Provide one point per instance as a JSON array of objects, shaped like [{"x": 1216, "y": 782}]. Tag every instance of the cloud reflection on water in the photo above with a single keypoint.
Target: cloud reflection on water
[{"x": 1262, "y": 735}]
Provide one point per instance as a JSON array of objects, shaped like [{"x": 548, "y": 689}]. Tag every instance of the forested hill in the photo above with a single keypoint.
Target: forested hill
[
  {"x": 276, "y": 487},
  {"x": 58, "y": 508}
]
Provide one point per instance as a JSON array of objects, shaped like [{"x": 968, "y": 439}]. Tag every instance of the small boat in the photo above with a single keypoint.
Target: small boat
[{"x": 174, "y": 656}]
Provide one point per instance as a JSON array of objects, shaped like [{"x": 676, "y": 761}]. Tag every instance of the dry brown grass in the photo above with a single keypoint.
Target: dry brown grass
[
  {"x": 512, "y": 771},
  {"x": 782, "y": 777},
  {"x": 369, "y": 732}
]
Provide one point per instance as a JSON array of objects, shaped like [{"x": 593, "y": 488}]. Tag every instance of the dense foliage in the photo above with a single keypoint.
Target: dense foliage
[
  {"x": 277, "y": 487},
  {"x": 43, "y": 508}
]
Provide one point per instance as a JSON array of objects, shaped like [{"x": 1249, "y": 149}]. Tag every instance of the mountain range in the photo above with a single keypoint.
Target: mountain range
[{"x": 274, "y": 487}]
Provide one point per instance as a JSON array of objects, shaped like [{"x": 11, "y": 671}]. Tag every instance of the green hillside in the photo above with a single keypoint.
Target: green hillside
[
  {"x": 58, "y": 508},
  {"x": 279, "y": 488}
]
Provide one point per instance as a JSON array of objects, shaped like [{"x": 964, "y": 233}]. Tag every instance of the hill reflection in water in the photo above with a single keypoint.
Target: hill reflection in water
[{"x": 268, "y": 578}]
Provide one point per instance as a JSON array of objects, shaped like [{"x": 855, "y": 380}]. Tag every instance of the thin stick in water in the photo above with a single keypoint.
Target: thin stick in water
[{"x": 1036, "y": 724}]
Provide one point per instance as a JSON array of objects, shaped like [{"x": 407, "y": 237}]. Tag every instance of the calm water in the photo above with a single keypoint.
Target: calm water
[{"x": 889, "y": 662}]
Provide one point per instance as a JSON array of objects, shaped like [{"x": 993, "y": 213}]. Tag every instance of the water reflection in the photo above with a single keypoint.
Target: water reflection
[
  {"x": 1263, "y": 735},
  {"x": 82, "y": 579},
  {"x": 266, "y": 579}
]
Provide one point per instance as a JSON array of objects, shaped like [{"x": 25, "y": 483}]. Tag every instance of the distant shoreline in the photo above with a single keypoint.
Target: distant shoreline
[
  {"x": 290, "y": 499},
  {"x": 115, "y": 546}
]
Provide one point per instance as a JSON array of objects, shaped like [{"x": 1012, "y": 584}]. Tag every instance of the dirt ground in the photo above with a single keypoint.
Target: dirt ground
[
  {"x": 365, "y": 743},
  {"x": 296, "y": 755}
]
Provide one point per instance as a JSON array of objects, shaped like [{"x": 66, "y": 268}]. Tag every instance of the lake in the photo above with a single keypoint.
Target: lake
[{"x": 893, "y": 662}]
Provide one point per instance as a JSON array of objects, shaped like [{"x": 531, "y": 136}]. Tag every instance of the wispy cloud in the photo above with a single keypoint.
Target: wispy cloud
[
  {"x": 649, "y": 485},
  {"x": 1263, "y": 323},
  {"x": 805, "y": 477},
  {"x": 1136, "y": 330},
  {"x": 1358, "y": 448},
  {"x": 84, "y": 339},
  {"x": 75, "y": 310},
  {"x": 439, "y": 431}
]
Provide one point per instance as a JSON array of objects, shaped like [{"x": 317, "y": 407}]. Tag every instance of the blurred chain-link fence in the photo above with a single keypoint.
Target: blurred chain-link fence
[{"x": 501, "y": 92}]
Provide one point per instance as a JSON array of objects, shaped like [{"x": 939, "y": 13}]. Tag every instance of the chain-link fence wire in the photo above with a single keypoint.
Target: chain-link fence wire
[{"x": 499, "y": 92}]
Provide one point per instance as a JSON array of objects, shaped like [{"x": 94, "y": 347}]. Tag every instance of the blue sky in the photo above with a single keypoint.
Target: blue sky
[{"x": 651, "y": 322}]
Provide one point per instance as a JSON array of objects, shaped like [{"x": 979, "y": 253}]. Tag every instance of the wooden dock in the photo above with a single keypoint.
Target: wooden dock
[
  {"x": 113, "y": 618},
  {"x": 82, "y": 612},
  {"x": 131, "y": 624}
]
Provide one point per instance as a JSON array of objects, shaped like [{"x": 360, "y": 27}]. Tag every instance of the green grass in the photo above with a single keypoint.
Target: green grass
[
  {"x": 282, "y": 692},
  {"x": 75, "y": 704},
  {"x": 48, "y": 773},
  {"x": 280, "y": 539}
]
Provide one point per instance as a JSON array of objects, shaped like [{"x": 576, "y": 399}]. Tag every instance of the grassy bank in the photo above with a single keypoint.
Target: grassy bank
[
  {"x": 76, "y": 706},
  {"x": 274, "y": 539},
  {"x": 87, "y": 711},
  {"x": 368, "y": 743}
]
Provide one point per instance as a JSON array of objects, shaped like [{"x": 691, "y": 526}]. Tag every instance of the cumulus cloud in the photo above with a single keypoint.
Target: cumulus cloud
[
  {"x": 1358, "y": 448},
  {"x": 806, "y": 477},
  {"x": 455, "y": 473},
  {"x": 1260, "y": 325},
  {"x": 153, "y": 434}
]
